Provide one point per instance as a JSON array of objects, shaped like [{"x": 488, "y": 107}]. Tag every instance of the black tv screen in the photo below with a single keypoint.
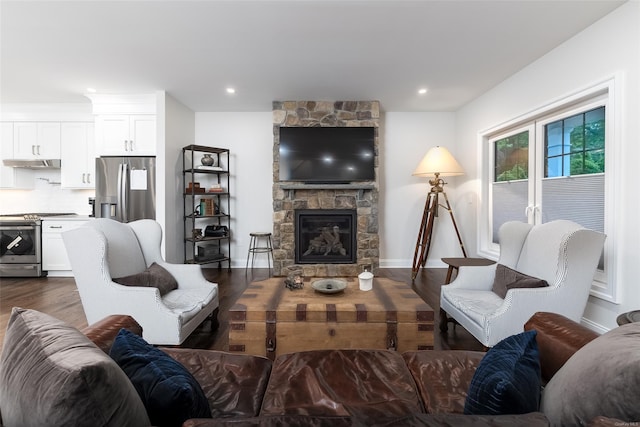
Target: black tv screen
[{"x": 327, "y": 154}]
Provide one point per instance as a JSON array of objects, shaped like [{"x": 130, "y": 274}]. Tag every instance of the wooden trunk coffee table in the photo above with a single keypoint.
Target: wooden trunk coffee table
[{"x": 268, "y": 319}]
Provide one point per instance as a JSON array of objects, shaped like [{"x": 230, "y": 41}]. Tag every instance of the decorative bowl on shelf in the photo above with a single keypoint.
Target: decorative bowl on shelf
[{"x": 329, "y": 286}]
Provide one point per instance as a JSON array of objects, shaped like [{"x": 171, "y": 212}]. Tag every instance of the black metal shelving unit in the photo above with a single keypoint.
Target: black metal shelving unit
[{"x": 206, "y": 249}]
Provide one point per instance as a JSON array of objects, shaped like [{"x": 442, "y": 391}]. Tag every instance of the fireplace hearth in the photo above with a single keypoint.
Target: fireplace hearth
[{"x": 326, "y": 236}]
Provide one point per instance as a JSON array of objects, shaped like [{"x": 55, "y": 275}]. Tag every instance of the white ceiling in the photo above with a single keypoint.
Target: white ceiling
[{"x": 51, "y": 51}]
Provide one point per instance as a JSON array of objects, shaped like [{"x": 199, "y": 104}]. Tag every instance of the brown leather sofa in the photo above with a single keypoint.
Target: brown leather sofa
[{"x": 352, "y": 387}]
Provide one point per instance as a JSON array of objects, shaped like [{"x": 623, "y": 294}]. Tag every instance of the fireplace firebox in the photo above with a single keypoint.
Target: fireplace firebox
[{"x": 325, "y": 236}]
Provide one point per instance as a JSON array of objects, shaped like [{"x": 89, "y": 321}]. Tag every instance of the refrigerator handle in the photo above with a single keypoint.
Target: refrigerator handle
[
  {"x": 122, "y": 193},
  {"x": 125, "y": 193}
]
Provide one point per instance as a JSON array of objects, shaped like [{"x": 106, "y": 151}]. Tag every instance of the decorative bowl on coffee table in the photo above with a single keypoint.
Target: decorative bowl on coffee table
[{"x": 329, "y": 286}]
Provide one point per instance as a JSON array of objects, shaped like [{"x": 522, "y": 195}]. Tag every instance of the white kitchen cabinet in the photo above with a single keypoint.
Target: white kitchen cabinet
[
  {"x": 78, "y": 155},
  {"x": 36, "y": 140},
  {"x": 11, "y": 177},
  {"x": 54, "y": 253},
  {"x": 126, "y": 134}
]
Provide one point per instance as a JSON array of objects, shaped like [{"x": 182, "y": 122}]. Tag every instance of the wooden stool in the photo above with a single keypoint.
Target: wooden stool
[{"x": 256, "y": 248}]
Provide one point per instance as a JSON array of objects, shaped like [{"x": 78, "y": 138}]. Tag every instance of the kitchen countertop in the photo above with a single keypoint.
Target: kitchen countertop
[{"x": 68, "y": 218}]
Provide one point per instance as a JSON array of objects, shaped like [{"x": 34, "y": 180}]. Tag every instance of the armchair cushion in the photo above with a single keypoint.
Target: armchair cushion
[
  {"x": 51, "y": 374},
  {"x": 169, "y": 392},
  {"x": 476, "y": 304},
  {"x": 507, "y": 380},
  {"x": 507, "y": 278},
  {"x": 155, "y": 276},
  {"x": 602, "y": 378}
]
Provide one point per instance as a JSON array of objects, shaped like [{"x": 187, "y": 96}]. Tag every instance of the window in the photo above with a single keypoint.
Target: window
[
  {"x": 512, "y": 157},
  {"x": 575, "y": 145},
  {"x": 552, "y": 165},
  {"x": 573, "y": 184},
  {"x": 510, "y": 189}
]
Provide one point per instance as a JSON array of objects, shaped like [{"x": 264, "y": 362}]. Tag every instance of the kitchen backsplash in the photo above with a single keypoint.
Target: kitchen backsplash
[{"x": 47, "y": 196}]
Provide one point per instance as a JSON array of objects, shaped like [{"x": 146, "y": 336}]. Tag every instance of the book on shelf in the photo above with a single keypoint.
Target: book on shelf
[
  {"x": 209, "y": 168},
  {"x": 216, "y": 188},
  {"x": 209, "y": 207}
]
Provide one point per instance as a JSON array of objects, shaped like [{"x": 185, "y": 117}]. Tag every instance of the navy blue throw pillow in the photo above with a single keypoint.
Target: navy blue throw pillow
[
  {"x": 169, "y": 392},
  {"x": 507, "y": 380}
]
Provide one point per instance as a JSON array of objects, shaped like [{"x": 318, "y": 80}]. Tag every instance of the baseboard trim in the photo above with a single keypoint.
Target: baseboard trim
[
  {"x": 404, "y": 263},
  {"x": 596, "y": 327}
]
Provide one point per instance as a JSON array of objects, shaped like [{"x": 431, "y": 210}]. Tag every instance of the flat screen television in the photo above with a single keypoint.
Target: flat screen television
[{"x": 327, "y": 154}]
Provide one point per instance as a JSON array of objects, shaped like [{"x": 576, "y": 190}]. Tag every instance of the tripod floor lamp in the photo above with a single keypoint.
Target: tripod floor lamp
[{"x": 438, "y": 162}]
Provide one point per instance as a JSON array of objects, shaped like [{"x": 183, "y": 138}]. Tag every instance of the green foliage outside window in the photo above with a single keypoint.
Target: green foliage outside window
[
  {"x": 516, "y": 172},
  {"x": 512, "y": 157},
  {"x": 576, "y": 149}
]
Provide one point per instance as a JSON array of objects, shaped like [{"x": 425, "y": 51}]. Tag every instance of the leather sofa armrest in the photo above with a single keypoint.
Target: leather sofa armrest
[
  {"x": 104, "y": 332},
  {"x": 558, "y": 339}
]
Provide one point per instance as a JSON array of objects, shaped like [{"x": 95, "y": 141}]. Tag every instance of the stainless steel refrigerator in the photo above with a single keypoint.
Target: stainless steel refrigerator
[{"x": 125, "y": 188}]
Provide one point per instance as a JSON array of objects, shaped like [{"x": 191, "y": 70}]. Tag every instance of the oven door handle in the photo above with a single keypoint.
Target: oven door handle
[
  {"x": 17, "y": 227},
  {"x": 6, "y": 267}
]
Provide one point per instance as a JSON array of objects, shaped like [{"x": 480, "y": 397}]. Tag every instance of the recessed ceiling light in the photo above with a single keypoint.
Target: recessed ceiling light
[
  {"x": 231, "y": 90},
  {"x": 91, "y": 90},
  {"x": 422, "y": 91}
]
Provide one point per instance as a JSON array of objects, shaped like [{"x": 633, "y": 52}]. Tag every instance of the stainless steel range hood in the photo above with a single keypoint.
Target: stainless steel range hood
[{"x": 33, "y": 163}]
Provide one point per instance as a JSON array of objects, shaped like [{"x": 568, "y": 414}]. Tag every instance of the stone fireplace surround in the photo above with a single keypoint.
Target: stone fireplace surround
[{"x": 289, "y": 197}]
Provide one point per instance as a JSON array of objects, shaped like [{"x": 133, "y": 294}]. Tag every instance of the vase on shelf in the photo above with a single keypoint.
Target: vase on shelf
[{"x": 207, "y": 160}]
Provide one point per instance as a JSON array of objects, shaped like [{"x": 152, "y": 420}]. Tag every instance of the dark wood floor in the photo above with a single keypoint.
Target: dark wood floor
[{"x": 59, "y": 297}]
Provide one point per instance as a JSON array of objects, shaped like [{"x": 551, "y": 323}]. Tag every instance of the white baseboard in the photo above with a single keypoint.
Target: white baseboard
[
  {"x": 405, "y": 263},
  {"x": 596, "y": 327},
  {"x": 60, "y": 273}
]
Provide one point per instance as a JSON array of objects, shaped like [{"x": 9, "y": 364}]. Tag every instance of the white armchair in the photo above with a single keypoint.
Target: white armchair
[
  {"x": 104, "y": 249},
  {"x": 561, "y": 252}
]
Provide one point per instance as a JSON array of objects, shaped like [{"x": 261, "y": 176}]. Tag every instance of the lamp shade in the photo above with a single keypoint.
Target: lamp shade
[{"x": 438, "y": 160}]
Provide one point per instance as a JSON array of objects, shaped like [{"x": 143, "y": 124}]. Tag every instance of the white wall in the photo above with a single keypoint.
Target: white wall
[
  {"x": 176, "y": 130},
  {"x": 610, "y": 47},
  {"x": 405, "y": 139},
  {"x": 249, "y": 137}
]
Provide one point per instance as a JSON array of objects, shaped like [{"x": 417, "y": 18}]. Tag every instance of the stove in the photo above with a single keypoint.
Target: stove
[{"x": 21, "y": 244}]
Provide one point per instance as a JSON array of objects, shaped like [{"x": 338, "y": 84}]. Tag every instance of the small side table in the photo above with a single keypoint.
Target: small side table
[
  {"x": 629, "y": 317},
  {"x": 455, "y": 264}
]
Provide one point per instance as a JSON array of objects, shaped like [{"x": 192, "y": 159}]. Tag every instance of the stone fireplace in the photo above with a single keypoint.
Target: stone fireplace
[{"x": 315, "y": 200}]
